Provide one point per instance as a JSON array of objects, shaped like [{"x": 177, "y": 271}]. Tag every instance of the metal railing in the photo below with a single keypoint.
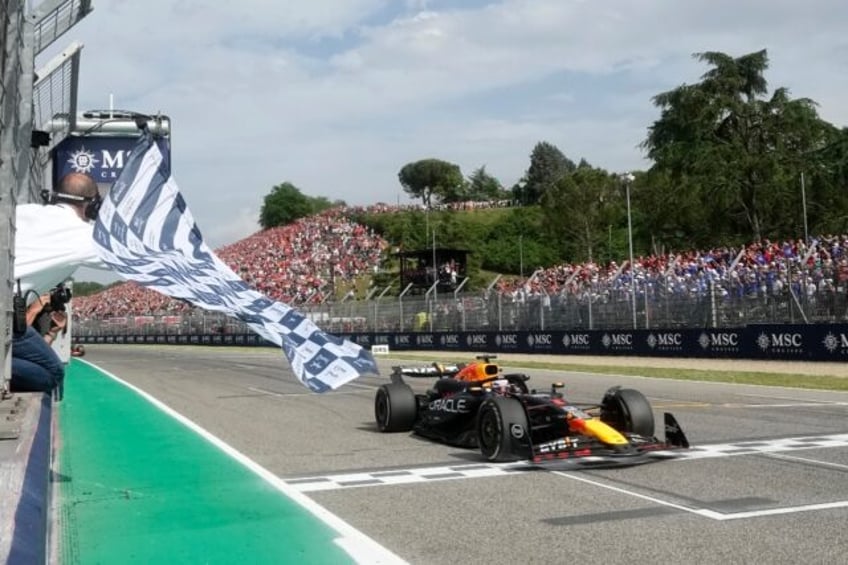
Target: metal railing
[{"x": 591, "y": 309}]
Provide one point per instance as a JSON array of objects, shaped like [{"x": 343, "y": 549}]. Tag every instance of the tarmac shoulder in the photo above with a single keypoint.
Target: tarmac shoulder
[{"x": 25, "y": 447}]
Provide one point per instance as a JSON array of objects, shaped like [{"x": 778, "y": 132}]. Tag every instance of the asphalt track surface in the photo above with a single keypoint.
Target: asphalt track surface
[{"x": 767, "y": 481}]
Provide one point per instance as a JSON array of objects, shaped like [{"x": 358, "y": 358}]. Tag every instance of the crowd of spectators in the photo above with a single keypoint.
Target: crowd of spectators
[
  {"x": 764, "y": 269},
  {"x": 304, "y": 262}
]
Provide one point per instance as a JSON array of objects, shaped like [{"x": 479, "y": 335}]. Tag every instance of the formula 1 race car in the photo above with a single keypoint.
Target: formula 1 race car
[{"x": 476, "y": 405}]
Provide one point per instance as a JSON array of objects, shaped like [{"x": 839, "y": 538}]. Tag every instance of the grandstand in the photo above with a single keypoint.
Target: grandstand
[{"x": 304, "y": 263}]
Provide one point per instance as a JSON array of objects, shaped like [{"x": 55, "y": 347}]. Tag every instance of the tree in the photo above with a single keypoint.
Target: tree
[
  {"x": 432, "y": 177},
  {"x": 482, "y": 186},
  {"x": 87, "y": 288},
  {"x": 283, "y": 205},
  {"x": 737, "y": 152},
  {"x": 578, "y": 210},
  {"x": 547, "y": 166}
]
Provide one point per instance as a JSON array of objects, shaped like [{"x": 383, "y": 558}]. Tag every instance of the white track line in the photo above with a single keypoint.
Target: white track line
[
  {"x": 706, "y": 512},
  {"x": 806, "y": 460},
  {"x": 411, "y": 475},
  {"x": 359, "y": 546}
]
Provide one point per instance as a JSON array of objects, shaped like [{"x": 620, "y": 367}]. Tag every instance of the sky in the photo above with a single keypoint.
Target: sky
[{"x": 335, "y": 96}]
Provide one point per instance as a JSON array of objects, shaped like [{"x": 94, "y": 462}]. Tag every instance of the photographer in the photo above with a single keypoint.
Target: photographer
[
  {"x": 52, "y": 241},
  {"x": 36, "y": 367}
]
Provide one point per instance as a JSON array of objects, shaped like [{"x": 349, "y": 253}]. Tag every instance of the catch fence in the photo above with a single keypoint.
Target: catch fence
[{"x": 594, "y": 309}]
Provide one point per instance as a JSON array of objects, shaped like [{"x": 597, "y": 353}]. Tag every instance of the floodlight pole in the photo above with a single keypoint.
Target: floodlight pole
[
  {"x": 521, "y": 255},
  {"x": 804, "y": 206},
  {"x": 628, "y": 179},
  {"x": 435, "y": 268}
]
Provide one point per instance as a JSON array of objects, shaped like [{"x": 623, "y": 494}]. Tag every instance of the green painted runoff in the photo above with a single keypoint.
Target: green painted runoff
[{"x": 134, "y": 485}]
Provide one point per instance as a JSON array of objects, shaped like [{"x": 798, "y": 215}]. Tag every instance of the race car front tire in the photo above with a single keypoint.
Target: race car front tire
[
  {"x": 395, "y": 408},
  {"x": 502, "y": 430},
  {"x": 628, "y": 411}
]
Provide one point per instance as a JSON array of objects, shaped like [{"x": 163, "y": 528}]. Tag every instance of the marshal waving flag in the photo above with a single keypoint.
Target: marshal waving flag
[{"x": 147, "y": 234}]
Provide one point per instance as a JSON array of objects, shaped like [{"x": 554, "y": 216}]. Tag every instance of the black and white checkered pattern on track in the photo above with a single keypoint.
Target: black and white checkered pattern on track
[
  {"x": 772, "y": 461},
  {"x": 475, "y": 471}
]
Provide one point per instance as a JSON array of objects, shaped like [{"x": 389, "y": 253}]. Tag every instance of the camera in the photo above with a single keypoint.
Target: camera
[{"x": 59, "y": 296}]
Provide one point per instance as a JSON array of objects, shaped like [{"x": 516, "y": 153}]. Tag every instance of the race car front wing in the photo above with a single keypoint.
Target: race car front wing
[{"x": 589, "y": 451}]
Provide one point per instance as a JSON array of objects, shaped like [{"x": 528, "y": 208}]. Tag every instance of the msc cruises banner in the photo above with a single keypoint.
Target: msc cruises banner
[
  {"x": 813, "y": 342},
  {"x": 147, "y": 234},
  {"x": 101, "y": 158}
]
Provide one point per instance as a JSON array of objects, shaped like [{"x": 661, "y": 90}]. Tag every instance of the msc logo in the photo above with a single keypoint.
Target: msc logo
[
  {"x": 718, "y": 339},
  {"x": 425, "y": 339},
  {"x": 665, "y": 340},
  {"x": 82, "y": 160},
  {"x": 476, "y": 339},
  {"x": 449, "y": 339},
  {"x": 832, "y": 342},
  {"x": 779, "y": 340},
  {"x": 364, "y": 340},
  {"x": 402, "y": 339},
  {"x": 539, "y": 339},
  {"x": 577, "y": 340},
  {"x": 381, "y": 340},
  {"x": 110, "y": 163},
  {"x": 617, "y": 340},
  {"x": 506, "y": 340}
]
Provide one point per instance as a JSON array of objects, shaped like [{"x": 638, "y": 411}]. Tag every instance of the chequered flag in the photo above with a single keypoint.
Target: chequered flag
[{"x": 147, "y": 234}]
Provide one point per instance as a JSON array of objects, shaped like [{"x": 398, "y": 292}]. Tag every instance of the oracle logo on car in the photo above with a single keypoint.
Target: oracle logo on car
[{"x": 452, "y": 405}]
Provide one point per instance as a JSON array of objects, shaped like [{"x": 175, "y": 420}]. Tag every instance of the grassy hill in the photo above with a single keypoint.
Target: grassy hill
[{"x": 498, "y": 239}]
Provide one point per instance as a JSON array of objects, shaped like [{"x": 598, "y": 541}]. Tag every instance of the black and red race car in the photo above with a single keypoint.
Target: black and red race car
[{"x": 477, "y": 405}]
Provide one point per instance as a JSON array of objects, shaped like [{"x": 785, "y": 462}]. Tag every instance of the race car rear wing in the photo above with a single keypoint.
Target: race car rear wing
[{"x": 427, "y": 371}]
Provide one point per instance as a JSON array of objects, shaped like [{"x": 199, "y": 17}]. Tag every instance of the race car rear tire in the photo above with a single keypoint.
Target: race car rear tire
[
  {"x": 502, "y": 430},
  {"x": 628, "y": 411},
  {"x": 395, "y": 407}
]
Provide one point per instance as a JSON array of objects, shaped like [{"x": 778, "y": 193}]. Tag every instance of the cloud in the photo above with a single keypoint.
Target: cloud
[{"x": 336, "y": 95}]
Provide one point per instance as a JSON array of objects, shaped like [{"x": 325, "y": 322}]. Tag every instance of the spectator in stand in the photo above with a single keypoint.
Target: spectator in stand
[{"x": 298, "y": 263}]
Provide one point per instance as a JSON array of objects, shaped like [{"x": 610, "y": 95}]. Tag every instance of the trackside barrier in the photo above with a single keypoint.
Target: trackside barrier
[{"x": 821, "y": 342}]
